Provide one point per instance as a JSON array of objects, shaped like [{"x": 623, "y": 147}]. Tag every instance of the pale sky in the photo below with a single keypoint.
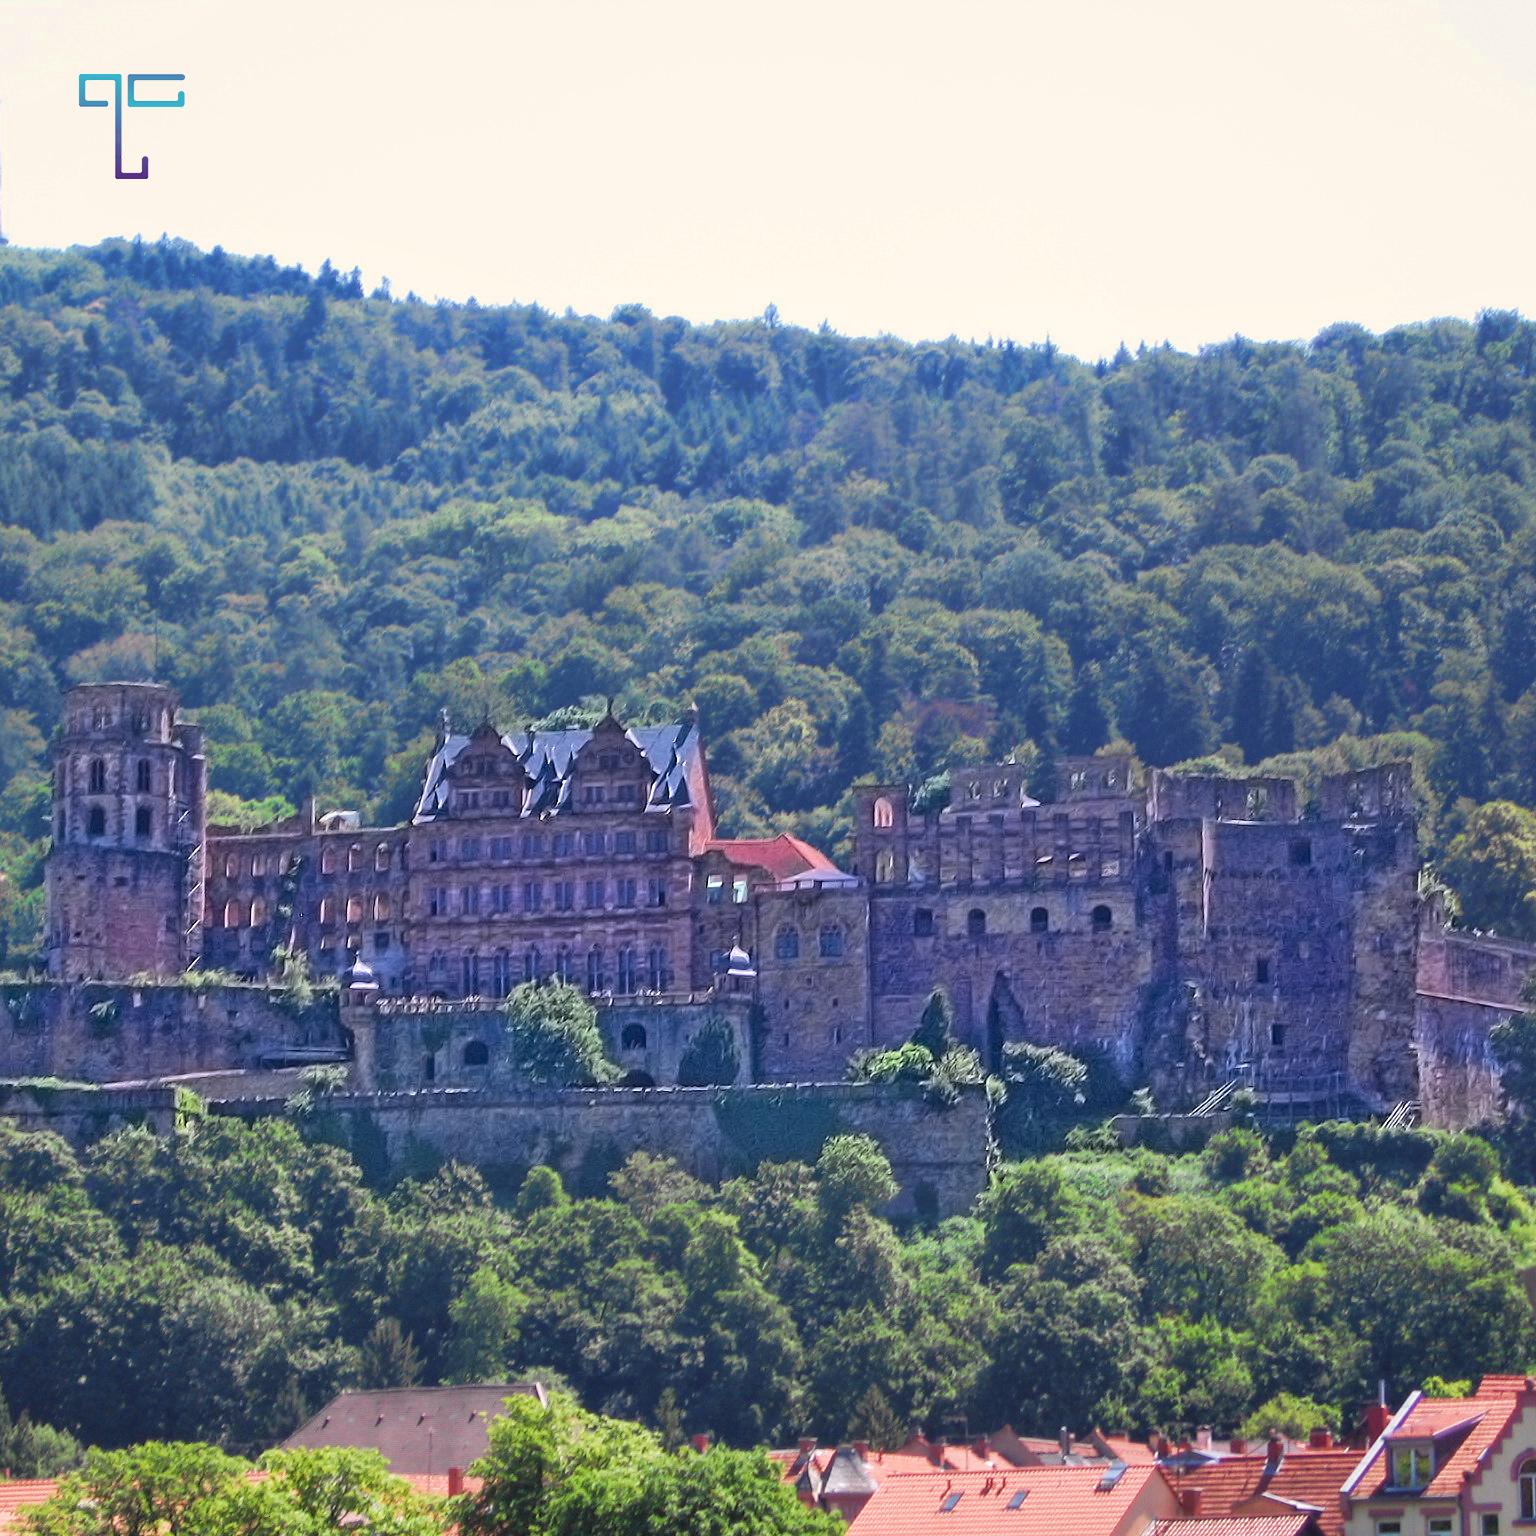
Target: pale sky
[{"x": 1091, "y": 170}]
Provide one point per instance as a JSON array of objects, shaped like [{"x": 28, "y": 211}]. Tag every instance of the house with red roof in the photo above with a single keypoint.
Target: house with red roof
[
  {"x": 929, "y": 1489},
  {"x": 1450, "y": 1466},
  {"x": 1282, "y": 1480}
]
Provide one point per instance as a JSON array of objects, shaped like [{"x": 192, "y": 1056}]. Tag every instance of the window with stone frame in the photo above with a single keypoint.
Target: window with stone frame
[
  {"x": 830, "y": 942},
  {"x": 786, "y": 943}
]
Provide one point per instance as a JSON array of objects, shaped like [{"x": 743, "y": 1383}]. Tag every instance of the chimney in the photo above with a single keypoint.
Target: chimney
[
  {"x": 701, "y": 1443},
  {"x": 1274, "y": 1452},
  {"x": 1320, "y": 1440},
  {"x": 455, "y": 1482},
  {"x": 1190, "y": 1499},
  {"x": 1203, "y": 1438},
  {"x": 862, "y": 1447},
  {"x": 1155, "y": 1444},
  {"x": 807, "y": 1445},
  {"x": 1239, "y": 1445},
  {"x": 1376, "y": 1420},
  {"x": 1064, "y": 1439}
]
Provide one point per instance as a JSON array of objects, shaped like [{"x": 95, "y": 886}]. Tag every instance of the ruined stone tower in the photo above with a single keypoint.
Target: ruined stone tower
[{"x": 125, "y": 874}]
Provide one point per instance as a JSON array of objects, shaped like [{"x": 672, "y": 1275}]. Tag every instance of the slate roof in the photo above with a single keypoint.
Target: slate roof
[
  {"x": 419, "y": 1430},
  {"x": 546, "y": 758},
  {"x": 1246, "y": 1485},
  {"x": 1464, "y": 1430}
]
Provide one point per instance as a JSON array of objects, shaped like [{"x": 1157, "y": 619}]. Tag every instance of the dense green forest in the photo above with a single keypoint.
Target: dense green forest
[
  {"x": 220, "y": 1283},
  {"x": 323, "y": 516}
]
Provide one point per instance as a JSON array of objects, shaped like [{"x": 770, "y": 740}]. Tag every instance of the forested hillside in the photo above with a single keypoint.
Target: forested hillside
[{"x": 323, "y": 517}]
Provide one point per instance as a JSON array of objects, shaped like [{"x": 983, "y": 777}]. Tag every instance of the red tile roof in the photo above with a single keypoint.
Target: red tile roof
[
  {"x": 1464, "y": 1430},
  {"x": 1293, "y": 1524},
  {"x": 1245, "y": 1485},
  {"x": 21, "y": 1494},
  {"x": 782, "y": 856},
  {"x": 1064, "y": 1501}
]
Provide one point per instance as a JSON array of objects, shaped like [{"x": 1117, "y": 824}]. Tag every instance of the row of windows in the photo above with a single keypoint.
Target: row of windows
[
  {"x": 626, "y": 796},
  {"x": 237, "y": 915},
  {"x": 96, "y": 777},
  {"x": 96, "y": 823},
  {"x": 536, "y": 896},
  {"x": 539, "y": 845},
  {"x": 1101, "y": 919},
  {"x": 498, "y": 973},
  {"x": 1077, "y": 866},
  {"x": 786, "y": 943}
]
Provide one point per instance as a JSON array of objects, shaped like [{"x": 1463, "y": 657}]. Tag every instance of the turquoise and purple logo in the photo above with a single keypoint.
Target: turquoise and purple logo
[{"x": 135, "y": 99}]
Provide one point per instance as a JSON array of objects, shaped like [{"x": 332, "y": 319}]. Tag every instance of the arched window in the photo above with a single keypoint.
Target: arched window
[
  {"x": 381, "y": 908},
  {"x": 328, "y": 860},
  {"x": 258, "y": 864},
  {"x": 141, "y": 776},
  {"x": 533, "y": 964},
  {"x": 786, "y": 943},
  {"x": 885, "y": 866},
  {"x": 626, "y": 968},
  {"x": 98, "y": 777},
  {"x": 96, "y": 822},
  {"x": 563, "y": 963},
  {"x": 594, "y": 970},
  {"x": 501, "y": 973},
  {"x": 831, "y": 942},
  {"x": 656, "y": 974},
  {"x": 355, "y": 857},
  {"x": 885, "y": 813},
  {"x": 258, "y": 912},
  {"x": 327, "y": 911},
  {"x": 975, "y": 924},
  {"x": 381, "y": 857},
  {"x": 1039, "y": 920},
  {"x": 231, "y": 866},
  {"x": 477, "y": 1054},
  {"x": 1103, "y": 919},
  {"x": 1528, "y": 1489},
  {"x": 354, "y": 909},
  {"x": 471, "y": 974},
  {"x": 632, "y": 1038},
  {"x": 232, "y": 914}
]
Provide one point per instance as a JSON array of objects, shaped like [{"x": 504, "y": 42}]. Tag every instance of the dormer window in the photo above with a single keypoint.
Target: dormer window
[{"x": 1413, "y": 1465}]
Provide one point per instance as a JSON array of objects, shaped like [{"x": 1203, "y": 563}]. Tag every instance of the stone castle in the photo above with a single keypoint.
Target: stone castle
[{"x": 1195, "y": 933}]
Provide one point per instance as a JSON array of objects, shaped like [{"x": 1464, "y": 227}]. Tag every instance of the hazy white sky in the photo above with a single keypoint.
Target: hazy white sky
[{"x": 1092, "y": 170}]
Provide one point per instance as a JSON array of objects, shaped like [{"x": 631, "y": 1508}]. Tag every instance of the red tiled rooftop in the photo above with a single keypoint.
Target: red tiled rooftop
[
  {"x": 20, "y": 1494},
  {"x": 1234, "y": 1525},
  {"x": 1304, "y": 1476},
  {"x": 1063, "y": 1501},
  {"x": 782, "y": 856}
]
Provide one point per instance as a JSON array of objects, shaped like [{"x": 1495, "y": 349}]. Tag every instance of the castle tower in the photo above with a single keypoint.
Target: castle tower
[{"x": 124, "y": 877}]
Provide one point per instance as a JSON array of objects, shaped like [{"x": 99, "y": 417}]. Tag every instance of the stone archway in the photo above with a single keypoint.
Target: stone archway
[{"x": 1005, "y": 1021}]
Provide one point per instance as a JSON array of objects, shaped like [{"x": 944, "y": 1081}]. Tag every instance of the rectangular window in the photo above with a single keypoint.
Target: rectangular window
[
  {"x": 655, "y": 892},
  {"x": 1411, "y": 1466},
  {"x": 1389, "y": 1528},
  {"x": 1438, "y": 1525},
  {"x": 501, "y": 847},
  {"x": 739, "y": 889},
  {"x": 626, "y": 794},
  {"x": 655, "y": 841},
  {"x": 1261, "y": 973},
  {"x": 470, "y": 905},
  {"x": 714, "y": 889},
  {"x": 469, "y": 847},
  {"x": 592, "y": 897},
  {"x": 533, "y": 896},
  {"x": 565, "y": 895},
  {"x": 950, "y": 1501},
  {"x": 501, "y": 898},
  {"x": 437, "y": 901},
  {"x": 565, "y": 844},
  {"x": 1017, "y": 1500},
  {"x": 594, "y": 794},
  {"x": 624, "y": 893},
  {"x": 533, "y": 845},
  {"x": 437, "y": 850},
  {"x": 1490, "y": 1526},
  {"x": 624, "y": 842},
  {"x": 592, "y": 842}
]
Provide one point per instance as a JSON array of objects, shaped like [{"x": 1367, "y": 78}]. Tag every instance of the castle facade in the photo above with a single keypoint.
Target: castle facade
[{"x": 1194, "y": 931}]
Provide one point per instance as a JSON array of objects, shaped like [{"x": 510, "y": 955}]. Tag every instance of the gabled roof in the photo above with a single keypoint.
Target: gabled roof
[
  {"x": 1058, "y": 1501},
  {"x": 19, "y": 1495},
  {"x": 546, "y": 758},
  {"x": 1463, "y": 1429},
  {"x": 787, "y": 859},
  {"x": 418, "y": 1430},
  {"x": 1247, "y": 1484}
]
